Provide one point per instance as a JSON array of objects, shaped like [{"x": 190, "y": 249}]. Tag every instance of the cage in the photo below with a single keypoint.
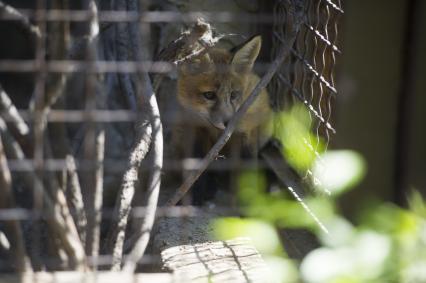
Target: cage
[{"x": 89, "y": 108}]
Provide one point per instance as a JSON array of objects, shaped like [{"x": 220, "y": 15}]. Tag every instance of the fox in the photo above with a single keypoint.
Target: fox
[{"x": 211, "y": 88}]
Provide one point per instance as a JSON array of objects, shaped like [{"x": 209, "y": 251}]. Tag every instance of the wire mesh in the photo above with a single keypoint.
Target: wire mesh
[
  {"x": 68, "y": 143},
  {"x": 308, "y": 72}
]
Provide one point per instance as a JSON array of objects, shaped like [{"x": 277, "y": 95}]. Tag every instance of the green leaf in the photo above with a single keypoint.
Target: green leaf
[
  {"x": 293, "y": 130},
  {"x": 338, "y": 171}
]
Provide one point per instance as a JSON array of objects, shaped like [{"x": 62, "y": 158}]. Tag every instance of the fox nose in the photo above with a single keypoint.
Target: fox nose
[{"x": 226, "y": 123}]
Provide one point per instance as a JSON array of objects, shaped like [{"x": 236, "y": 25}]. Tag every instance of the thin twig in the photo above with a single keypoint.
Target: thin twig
[
  {"x": 10, "y": 113},
  {"x": 63, "y": 226},
  {"x": 12, "y": 227},
  {"x": 127, "y": 46},
  {"x": 43, "y": 98},
  {"x": 60, "y": 49},
  {"x": 94, "y": 146},
  {"x": 61, "y": 149},
  {"x": 152, "y": 192},
  {"x": 115, "y": 239},
  {"x": 76, "y": 197},
  {"x": 58, "y": 46},
  {"x": 36, "y": 104},
  {"x": 294, "y": 11},
  {"x": 147, "y": 104},
  {"x": 95, "y": 216},
  {"x": 13, "y": 14}
]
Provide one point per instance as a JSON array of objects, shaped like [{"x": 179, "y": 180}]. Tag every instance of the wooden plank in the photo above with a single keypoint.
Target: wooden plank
[
  {"x": 221, "y": 261},
  {"x": 88, "y": 277}
]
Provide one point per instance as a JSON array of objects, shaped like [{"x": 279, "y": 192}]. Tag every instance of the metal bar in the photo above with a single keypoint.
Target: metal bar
[
  {"x": 146, "y": 17},
  {"x": 116, "y": 165}
]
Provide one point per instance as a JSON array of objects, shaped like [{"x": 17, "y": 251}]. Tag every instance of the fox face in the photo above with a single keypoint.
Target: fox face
[{"x": 214, "y": 86}]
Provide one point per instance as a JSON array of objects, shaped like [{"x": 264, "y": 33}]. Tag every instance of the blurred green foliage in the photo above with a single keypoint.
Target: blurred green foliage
[
  {"x": 387, "y": 244},
  {"x": 257, "y": 203},
  {"x": 293, "y": 129}
]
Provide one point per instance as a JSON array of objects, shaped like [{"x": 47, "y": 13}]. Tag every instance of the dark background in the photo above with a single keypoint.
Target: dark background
[{"x": 383, "y": 66}]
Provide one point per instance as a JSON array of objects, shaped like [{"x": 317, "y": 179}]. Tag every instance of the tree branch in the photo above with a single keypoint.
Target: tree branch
[
  {"x": 76, "y": 197},
  {"x": 13, "y": 228},
  {"x": 9, "y": 13},
  {"x": 116, "y": 235},
  {"x": 148, "y": 103},
  {"x": 149, "y": 137},
  {"x": 62, "y": 225},
  {"x": 94, "y": 147},
  {"x": 153, "y": 187},
  {"x": 295, "y": 13},
  {"x": 10, "y": 113}
]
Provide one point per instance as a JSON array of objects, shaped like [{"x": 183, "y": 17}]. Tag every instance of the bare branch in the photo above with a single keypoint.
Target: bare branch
[
  {"x": 76, "y": 196},
  {"x": 10, "y": 13},
  {"x": 95, "y": 142},
  {"x": 149, "y": 137},
  {"x": 13, "y": 228},
  {"x": 10, "y": 113},
  {"x": 79, "y": 46},
  {"x": 62, "y": 149},
  {"x": 55, "y": 211},
  {"x": 115, "y": 239},
  {"x": 126, "y": 45},
  {"x": 153, "y": 190},
  {"x": 95, "y": 216},
  {"x": 148, "y": 104},
  {"x": 213, "y": 153}
]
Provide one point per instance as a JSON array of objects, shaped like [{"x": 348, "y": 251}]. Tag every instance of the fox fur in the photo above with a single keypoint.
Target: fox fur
[{"x": 211, "y": 88}]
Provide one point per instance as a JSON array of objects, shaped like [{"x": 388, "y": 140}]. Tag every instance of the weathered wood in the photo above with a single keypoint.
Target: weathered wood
[
  {"x": 89, "y": 277},
  {"x": 221, "y": 261}
]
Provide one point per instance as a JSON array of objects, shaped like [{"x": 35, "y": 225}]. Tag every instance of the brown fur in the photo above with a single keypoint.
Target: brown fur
[{"x": 230, "y": 77}]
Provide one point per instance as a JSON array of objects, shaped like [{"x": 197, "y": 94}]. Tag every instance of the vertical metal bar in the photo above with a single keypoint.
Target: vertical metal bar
[{"x": 405, "y": 102}]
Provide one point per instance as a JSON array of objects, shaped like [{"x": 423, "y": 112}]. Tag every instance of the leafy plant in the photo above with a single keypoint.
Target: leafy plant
[{"x": 387, "y": 244}]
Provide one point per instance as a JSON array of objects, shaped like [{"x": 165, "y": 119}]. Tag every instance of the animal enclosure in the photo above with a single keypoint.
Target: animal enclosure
[{"x": 89, "y": 176}]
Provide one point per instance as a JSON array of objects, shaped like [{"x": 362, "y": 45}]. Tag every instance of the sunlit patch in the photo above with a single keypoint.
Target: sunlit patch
[
  {"x": 341, "y": 232},
  {"x": 257, "y": 231},
  {"x": 282, "y": 270},
  {"x": 361, "y": 260},
  {"x": 338, "y": 171}
]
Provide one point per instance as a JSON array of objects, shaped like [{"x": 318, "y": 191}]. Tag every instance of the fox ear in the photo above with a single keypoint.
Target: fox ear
[{"x": 246, "y": 53}]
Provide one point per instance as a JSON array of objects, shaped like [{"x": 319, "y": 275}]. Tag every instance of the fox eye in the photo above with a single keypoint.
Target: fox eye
[
  {"x": 210, "y": 95},
  {"x": 235, "y": 94}
]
